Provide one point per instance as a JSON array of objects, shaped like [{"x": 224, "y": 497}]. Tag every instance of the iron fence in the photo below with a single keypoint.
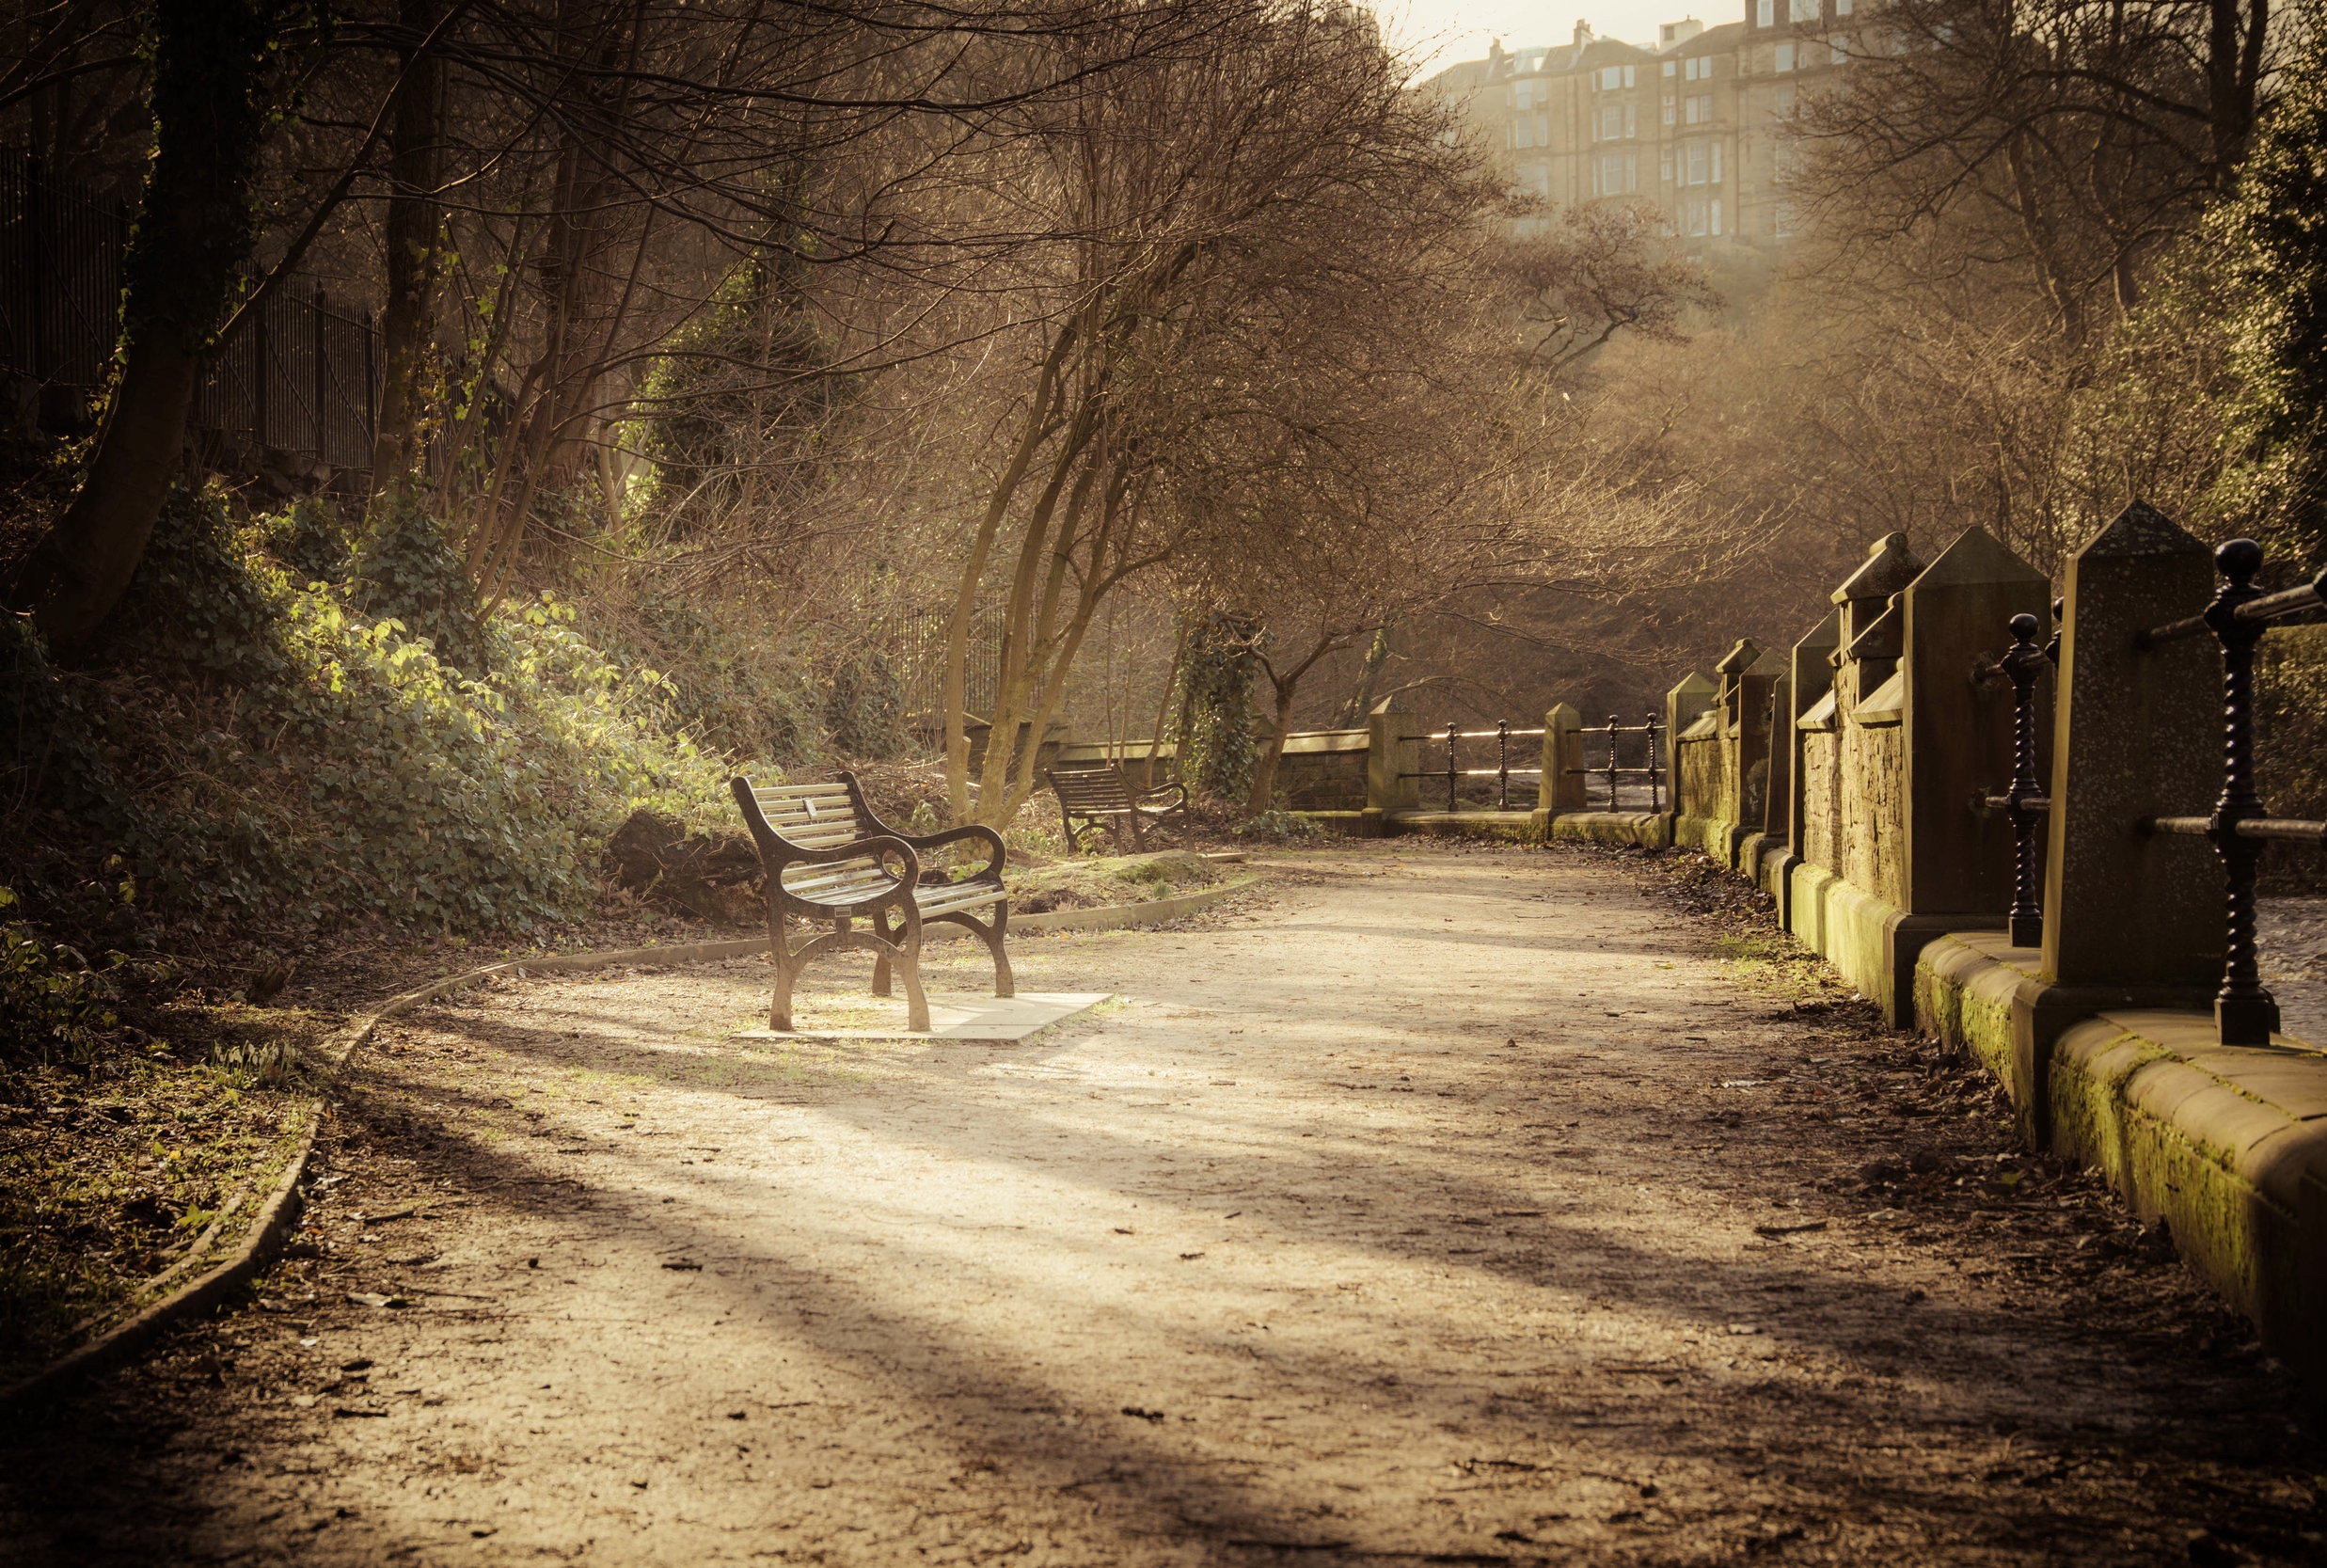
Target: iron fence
[
  {"x": 298, "y": 377},
  {"x": 2239, "y": 826},
  {"x": 918, "y": 644},
  {"x": 1454, "y": 773},
  {"x": 1610, "y": 771}
]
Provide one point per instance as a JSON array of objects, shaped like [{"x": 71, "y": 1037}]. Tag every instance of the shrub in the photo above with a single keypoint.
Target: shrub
[
  {"x": 50, "y": 1011},
  {"x": 269, "y": 749}
]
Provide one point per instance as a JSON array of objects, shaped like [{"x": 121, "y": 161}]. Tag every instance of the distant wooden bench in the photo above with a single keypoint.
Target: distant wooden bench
[
  {"x": 830, "y": 858},
  {"x": 1102, "y": 797}
]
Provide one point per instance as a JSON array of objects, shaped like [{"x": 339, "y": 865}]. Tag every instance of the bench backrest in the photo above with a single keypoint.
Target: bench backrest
[
  {"x": 810, "y": 817},
  {"x": 1091, "y": 789},
  {"x": 821, "y": 816}
]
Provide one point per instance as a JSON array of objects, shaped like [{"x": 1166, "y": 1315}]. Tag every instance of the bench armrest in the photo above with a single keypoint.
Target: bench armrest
[
  {"x": 877, "y": 848},
  {"x": 997, "y": 851},
  {"x": 1150, "y": 799}
]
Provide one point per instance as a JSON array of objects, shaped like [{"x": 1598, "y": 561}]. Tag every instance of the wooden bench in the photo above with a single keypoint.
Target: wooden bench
[
  {"x": 1102, "y": 797},
  {"x": 830, "y": 858}
]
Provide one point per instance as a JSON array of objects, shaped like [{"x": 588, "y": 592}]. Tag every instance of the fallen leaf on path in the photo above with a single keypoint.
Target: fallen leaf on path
[
  {"x": 684, "y": 1267},
  {"x": 1789, "y": 1230},
  {"x": 1142, "y": 1412},
  {"x": 368, "y": 1298}
]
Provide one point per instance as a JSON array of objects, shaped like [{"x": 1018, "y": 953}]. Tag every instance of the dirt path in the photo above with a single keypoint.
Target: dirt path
[{"x": 1451, "y": 1207}]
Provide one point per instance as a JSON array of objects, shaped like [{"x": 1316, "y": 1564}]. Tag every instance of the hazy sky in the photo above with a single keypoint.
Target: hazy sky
[{"x": 1445, "y": 31}]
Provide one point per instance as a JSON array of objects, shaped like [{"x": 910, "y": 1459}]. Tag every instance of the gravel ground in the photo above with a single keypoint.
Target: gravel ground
[{"x": 1442, "y": 1205}]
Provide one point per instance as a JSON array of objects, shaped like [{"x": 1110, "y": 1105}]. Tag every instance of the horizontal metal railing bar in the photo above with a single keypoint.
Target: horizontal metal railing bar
[
  {"x": 1476, "y": 772},
  {"x": 2028, "y": 802},
  {"x": 1603, "y": 772},
  {"x": 2293, "y": 829},
  {"x": 2288, "y": 601},
  {"x": 2174, "y": 631},
  {"x": 1473, "y": 735}
]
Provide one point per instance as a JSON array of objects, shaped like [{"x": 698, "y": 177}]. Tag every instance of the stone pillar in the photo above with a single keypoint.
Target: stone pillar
[
  {"x": 1958, "y": 731},
  {"x": 1388, "y": 753},
  {"x": 2136, "y": 734},
  {"x": 1772, "y": 865},
  {"x": 1688, "y": 699},
  {"x": 1809, "y": 678},
  {"x": 1735, "y": 741},
  {"x": 1866, "y": 599},
  {"x": 1563, "y": 760}
]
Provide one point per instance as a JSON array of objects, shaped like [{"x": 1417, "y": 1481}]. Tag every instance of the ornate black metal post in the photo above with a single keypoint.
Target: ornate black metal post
[
  {"x": 1502, "y": 765},
  {"x": 1611, "y": 761},
  {"x": 1655, "y": 789},
  {"x": 2244, "y": 1011},
  {"x": 1453, "y": 803},
  {"x": 2023, "y": 662}
]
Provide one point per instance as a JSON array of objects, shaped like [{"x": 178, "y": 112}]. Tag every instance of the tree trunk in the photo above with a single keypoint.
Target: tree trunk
[
  {"x": 414, "y": 256},
  {"x": 1264, "y": 771},
  {"x": 209, "y": 58},
  {"x": 1361, "y": 700},
  {"x": 1164, "y": 704}
]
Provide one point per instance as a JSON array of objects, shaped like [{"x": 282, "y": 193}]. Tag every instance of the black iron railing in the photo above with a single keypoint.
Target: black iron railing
[
  {"x": 2024, "y": 801},
  {"x": 299, "y": 377},
  {"x": 1612, "y": 772},
  {"x": 2246, "y": 1013},
  {"x": 1454, "y": 773}
]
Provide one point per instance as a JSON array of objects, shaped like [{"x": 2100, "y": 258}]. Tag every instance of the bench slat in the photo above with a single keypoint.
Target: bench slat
[{"x": 960, "y": 895}]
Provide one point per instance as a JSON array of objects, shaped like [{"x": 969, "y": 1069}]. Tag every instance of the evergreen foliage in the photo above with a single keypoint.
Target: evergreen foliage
[
  {"x": 1216, "y": 747},
  {"x": 2273, "y": 233},
  {"x": 864, "y": 706},
  {"x": 724, "y": 421},
  {"x": 404, "y": 569},
  {"x": 287, "y": 758}
]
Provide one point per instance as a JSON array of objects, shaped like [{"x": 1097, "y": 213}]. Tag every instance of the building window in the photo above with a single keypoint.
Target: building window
[
  {"x": 1664, "y": 168},
  {"x": 1785, "y": 57},
  {"x": 1523, "y": 134},
  {"x": 1670, "y": 108},
  {"x": 1716, "y": 167},
  {"x": 1632, "y": 121},
  {"x": 1668, "y": 68},
  {"x": 1841, "y": 7},
  {"x": 1543, "y": 130},
  {"x": 1632, "y": 171},
  {"x": 1717, "y": 214},
  {"x": 1612, "y": 122},
  {"x": 1700, "y": 110},
  {"x": 1612, "y": 77},
  {"x": 1764, "y": 12},
  {"x": 1694, "y": 154},
  {"x": 1629, "y": 77},
  {"x": 1802, "y": 10},
  {"x": 1612, "y": 174}
]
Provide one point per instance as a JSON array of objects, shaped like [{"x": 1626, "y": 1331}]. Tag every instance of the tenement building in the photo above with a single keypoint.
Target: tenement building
[{"x": 1691, "y": 123}]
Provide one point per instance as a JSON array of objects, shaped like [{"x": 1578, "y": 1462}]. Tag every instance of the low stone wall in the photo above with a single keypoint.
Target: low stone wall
[{"x": 1879, "y": 746}]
